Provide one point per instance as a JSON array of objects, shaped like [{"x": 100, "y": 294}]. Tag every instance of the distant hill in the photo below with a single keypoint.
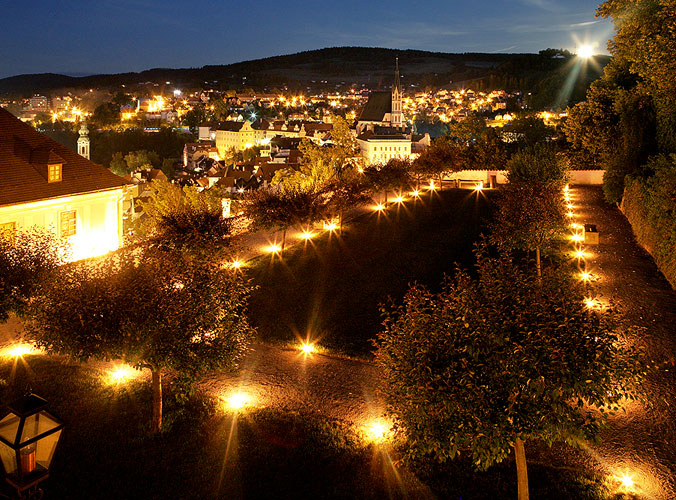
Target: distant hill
[{"x": 324, "y": 68}]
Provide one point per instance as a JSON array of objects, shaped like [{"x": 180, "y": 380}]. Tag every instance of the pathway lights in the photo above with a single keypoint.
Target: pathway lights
[
  {"x": 238, "y": 400},
  {"x": 273, "y": 248},
  {"x": 399, "y": 199},
  {"x": 236, "y": 264},
  {"x": 379, "y": 207},
  {"x": 121, "y": 374},
  {"x": 627, "y": 482},
  {"x": 29, "y": 435},
  {"x": 307, "y": 235},
  {"x": 18, "y": 350},
  {"x": 431, "y": 187},
  {"x": 479, "y": 187},
  {"x": 415, "y": 193},
  {"x": 376, "y": 431},
  {"x": 307, "y": 348}
]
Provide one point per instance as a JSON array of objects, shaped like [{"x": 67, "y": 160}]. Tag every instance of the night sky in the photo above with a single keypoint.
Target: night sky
[{"x": 111, "y": 36}]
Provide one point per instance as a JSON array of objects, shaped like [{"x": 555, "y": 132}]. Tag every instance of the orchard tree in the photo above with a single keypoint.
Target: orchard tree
[
  {"x": 393, "y": 175},
  {"x": 340, "y": 196},
  {"x": 274, "y": 208},
  {"x": 487, "y": 365},
  {"x": 444, "y": 155},
  {"x": 164, "y": 313},
  {"x": 530, "y": 214}
]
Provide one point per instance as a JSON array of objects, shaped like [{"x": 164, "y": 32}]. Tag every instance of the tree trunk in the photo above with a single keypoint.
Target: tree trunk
[
  {"x": 283, "y": 240},
  {"x": 521, "y": 470},
  {"x": 441, "y": 182},
  {"x": 538, "y": 265},
  {"x": 342, "y": 212},
  {"x": 386, "y": 197},
  {"x": 157, "y": 400}
]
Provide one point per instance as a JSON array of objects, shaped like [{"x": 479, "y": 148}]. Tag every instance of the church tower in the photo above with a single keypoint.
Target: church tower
[
  {"x": 397, "y": 116},
  {"x": 83, "y": 141}
]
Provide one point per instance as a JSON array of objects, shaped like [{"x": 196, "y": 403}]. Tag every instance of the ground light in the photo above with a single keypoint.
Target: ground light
[
  {"x": 238, "y": 400},
  {"x": 376, "y": 431},
  {"x": 579, "y": 254},
  {"x": 415, "y": 193},
  {"x": 479, "y": 187},
  {"x": 273, "y": 248},
  {"x": 18, "y": 350},
  {"x": 121, "y": 374},
  {"x": 399, "y": 199},
  {"x": 585, "y": 276},
  {"x": 431, "y": 187},
  {"x": 330, "y": 226},
  {"x": 307, "y": 235},
  {"x": 379, "y": 207},
  {"x": 627, "y": 482},
  {"x": 307, "y": 348},
  {"x": 236, "y": 264},
  {"x": 29, "y": 435}
]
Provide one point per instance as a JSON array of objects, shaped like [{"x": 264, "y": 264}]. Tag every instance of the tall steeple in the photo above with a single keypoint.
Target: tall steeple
[
  {"x": 396, "y": 116},
  {"x": 83, "y": 141}
]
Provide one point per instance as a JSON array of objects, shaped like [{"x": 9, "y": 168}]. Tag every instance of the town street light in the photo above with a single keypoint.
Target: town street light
[{"x": 28, "y": 439}]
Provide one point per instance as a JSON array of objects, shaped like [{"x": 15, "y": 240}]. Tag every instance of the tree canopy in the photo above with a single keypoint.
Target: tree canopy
[
  {"x": 490, "y": 363},
  {"x": 153, "y": 310}
]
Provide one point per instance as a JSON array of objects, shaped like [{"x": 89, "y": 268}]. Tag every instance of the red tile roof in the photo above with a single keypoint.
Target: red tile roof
[{"x": 24, "y": 156}]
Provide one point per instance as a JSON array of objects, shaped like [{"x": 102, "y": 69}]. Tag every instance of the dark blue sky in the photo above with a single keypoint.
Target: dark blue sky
[{"x": 112, "y": 36}]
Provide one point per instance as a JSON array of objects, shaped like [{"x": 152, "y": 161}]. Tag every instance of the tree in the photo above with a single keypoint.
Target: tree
[
  {"x": 268, "y": 208},
  {"x": 530, "y": 213},
  {"x": 444, "y": 155},
  {"x": 393, "y": 175},
  {"x": 487, "y": 365},
  {"x": 183, "y": 218},
  {"x": 165, "y": 313},
  {"x": 107, "y": 114},
  {"x": 342, "y": 196},
  {"x": 118, "y": 165},
  {"x": 482, "y": 147},
  {"x": 142, "y": 160},
  {"x": 25, "y": 258},
  {"x": 169, "y": 168},
  {"x": 321, "y": 164}
]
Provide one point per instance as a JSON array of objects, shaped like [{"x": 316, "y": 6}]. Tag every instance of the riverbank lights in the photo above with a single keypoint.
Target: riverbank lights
[{"x": 29, "y": 435}]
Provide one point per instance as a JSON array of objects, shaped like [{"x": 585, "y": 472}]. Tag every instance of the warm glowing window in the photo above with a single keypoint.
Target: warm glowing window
[
  {"x": 54, "y": 172},
  {"x": 8, "y": 231},
  {"x": 68, "y": 223}
]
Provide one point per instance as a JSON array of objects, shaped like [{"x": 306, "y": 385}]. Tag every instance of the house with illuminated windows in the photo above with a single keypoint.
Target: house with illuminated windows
[{"x": 44, "y": 184}]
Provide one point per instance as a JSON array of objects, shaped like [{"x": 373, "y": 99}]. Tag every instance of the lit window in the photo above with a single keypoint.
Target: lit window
[
  {"x": 68, "y": 223},
  {"x": 8, "y": 231},
  {"x": 54, "y": 172}
]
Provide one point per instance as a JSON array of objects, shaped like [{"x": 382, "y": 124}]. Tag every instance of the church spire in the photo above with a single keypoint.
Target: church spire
[{"x": 397, "y": 83}]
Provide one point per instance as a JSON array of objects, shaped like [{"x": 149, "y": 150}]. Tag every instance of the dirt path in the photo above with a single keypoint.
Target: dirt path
[{"x": 640, "y": 443}]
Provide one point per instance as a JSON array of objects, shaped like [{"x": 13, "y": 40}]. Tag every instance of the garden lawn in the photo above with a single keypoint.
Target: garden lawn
[{"x": 331, "y": 289}]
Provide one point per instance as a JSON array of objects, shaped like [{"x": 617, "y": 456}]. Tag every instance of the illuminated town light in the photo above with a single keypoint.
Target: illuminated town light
[{"x": 238, "y": 401}]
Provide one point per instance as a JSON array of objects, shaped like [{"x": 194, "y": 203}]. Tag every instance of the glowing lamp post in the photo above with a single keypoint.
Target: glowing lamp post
[{"x": 29, "y": 436}]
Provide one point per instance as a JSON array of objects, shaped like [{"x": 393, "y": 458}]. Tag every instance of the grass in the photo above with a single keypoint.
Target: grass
[
  {"x": 207, "y": 452},
  {"x": 332, "y": 288}
]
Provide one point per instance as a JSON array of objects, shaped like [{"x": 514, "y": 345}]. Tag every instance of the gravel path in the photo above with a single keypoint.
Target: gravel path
[
  {"x": 641, "y": 442},
  {"x": 285, "y": 378}
]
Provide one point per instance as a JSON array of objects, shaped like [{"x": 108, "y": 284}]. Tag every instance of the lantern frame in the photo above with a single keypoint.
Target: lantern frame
[{"x": 27, "y": 471}]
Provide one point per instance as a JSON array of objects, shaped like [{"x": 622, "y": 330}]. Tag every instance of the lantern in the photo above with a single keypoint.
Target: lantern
[{"x": 28, "y": 438}]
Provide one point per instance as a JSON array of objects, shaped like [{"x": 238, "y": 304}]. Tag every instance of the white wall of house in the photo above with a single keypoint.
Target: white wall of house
[
  {"x": 382, "y": 151},
  {"x": 98, "y": 227}
]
